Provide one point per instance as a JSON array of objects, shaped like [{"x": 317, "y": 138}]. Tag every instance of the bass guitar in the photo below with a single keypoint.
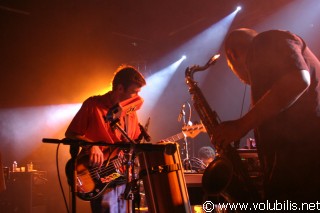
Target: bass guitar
[{"x": 92, "y": 181}]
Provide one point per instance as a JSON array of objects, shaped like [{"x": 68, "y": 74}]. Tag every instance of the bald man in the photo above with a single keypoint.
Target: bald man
[{"x": 283, "y": 75}]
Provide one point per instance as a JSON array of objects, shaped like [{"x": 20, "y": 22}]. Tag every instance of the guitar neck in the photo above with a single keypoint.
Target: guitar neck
[
  {"x": 176, "y": 137},
  {"x": 188, "y": 131}
]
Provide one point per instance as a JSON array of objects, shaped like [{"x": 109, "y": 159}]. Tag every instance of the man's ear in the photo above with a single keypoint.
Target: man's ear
[
  {"x": 231, "y": 55},
  {"x": 120, "y": 88}
]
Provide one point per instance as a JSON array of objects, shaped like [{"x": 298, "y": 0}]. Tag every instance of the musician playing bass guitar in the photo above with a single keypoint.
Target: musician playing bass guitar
[{"x": 101, "y": 166}]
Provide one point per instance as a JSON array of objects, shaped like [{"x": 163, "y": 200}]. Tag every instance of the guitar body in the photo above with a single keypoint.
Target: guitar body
[{"x": 92, "y": 181}]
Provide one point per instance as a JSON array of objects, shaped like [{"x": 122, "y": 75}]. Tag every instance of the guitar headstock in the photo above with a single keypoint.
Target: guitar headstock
[{"x": 193, "y": 130}]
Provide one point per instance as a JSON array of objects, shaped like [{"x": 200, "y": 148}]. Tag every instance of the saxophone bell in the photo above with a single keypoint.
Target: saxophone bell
[{"x": 217, "y": 176}]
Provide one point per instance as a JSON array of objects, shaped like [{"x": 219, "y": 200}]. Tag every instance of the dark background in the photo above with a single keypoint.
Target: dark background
[{"x": 60, "y": 52}]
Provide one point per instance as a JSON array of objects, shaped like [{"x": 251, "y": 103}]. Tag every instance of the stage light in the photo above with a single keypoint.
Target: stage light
[
  {"x": 238, "y": 8},
  {"x": 159, "y": 82},
  {"x": 34, "y": 123},
  {"x": 184, "y": 57}
]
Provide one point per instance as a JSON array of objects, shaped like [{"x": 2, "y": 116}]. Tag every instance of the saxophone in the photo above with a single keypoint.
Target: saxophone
[{"x": 226, "y": 176}]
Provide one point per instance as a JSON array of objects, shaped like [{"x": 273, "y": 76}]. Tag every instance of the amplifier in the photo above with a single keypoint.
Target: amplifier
[
  {"x": 25, "y": 193},
  {"x": 194, "y": 187},
  {"x": 251, "y": 161},
  {"x": 248, "y": 153},
  {"x": 193, "y": 179}
]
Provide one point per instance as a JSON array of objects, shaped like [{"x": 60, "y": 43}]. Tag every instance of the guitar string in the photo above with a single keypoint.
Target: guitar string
[
  {"x": 105, "y": 170},
  {"x": 94, "y": 170},
  {"x": 107, "y": 165}
]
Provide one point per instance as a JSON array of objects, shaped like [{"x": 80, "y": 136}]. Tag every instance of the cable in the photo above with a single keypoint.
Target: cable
[
  {"x": 58, "y": 172},
  {"x": 244, "y": 96}
]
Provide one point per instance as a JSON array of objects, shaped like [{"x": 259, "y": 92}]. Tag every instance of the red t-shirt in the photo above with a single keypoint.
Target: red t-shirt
[{"x": 90, "y": 121}]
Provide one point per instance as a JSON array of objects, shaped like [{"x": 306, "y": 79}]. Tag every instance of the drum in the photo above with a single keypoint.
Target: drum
[{"x": 163, "y": 178}]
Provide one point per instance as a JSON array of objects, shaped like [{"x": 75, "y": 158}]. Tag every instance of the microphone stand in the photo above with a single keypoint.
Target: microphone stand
[
  {"x": 74, "y": 150},
  {"x": 131, "y": 181},
  {"x": 186, "y": 161}
]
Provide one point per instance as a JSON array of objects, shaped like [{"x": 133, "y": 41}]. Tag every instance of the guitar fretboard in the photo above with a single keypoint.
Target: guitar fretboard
[
  {"x": 174, "y": 137},
  {"x": 187, "y": 131}
]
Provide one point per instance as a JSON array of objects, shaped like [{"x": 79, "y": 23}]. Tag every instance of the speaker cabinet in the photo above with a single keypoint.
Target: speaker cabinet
[
  {"x": 25, "y": 193},
  {"x": 196, "y": 194}
]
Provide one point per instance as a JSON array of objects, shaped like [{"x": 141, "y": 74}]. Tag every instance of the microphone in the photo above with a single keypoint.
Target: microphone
[
  {"x": 146, "y": 126},
  {"x": 182, "y": 112},
  {"x": 109, "y": 117},
  {"x": 144, "y": 133}
]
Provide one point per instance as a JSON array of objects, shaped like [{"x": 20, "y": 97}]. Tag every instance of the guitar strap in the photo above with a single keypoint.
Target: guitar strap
[{"x": 126, "y": 123}]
